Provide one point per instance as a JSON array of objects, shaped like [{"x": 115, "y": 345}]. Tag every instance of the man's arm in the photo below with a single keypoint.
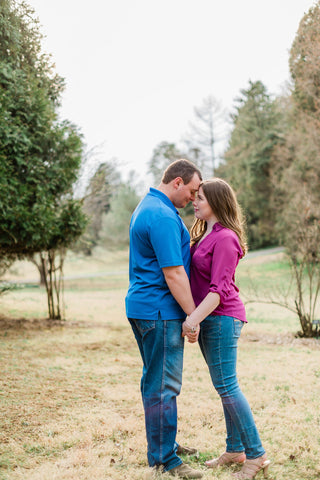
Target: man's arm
[{"x": 179, "y": 286}]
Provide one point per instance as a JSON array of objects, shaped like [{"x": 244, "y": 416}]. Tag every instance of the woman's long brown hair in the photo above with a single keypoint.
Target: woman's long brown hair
[{"x": 224, "y": 204}]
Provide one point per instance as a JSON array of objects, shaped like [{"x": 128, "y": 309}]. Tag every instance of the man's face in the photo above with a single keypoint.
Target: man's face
[{"x": 186, "y": 193}]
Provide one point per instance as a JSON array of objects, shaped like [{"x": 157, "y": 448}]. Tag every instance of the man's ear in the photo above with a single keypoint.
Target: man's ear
[{"x": 177, "y": 182}]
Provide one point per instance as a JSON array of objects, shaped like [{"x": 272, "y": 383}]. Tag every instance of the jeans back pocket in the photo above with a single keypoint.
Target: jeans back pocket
[
  {"x": 145, "y": 325},
  {"x": 237, "y": 327}
]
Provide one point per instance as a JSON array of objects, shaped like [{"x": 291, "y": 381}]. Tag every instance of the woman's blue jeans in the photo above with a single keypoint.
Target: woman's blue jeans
[
  {"x": 161, "y": 347},
  {"x": 218, "y": 341}
]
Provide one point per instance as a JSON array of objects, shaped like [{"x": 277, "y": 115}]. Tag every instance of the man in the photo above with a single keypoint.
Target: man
[{"x": 157, "y": 302}]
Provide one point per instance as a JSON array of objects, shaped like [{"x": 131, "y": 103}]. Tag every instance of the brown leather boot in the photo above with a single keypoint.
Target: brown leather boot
[
  {"x": 184, "y": 471},
  {"x": 186, "y": 450}
]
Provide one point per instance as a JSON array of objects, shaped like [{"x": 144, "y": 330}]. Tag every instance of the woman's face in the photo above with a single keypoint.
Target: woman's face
[{"x": 202, "y": 209}]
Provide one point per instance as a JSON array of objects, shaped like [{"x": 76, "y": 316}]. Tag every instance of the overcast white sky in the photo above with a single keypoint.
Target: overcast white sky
[{"x": 135, "y": 69}]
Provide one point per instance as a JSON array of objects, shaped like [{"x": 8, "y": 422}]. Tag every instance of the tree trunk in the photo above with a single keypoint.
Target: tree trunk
[
  {"x": 41, "y": 268},
  {"x": 53, "y": 280}
]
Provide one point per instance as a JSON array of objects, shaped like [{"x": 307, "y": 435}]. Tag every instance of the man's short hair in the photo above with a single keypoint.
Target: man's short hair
[{"x": 180, "y": 168}]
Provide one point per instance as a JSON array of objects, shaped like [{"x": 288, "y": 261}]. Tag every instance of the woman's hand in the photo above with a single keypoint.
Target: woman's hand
[
  {"x": 191, "y": 326},
  {"x": 191, "y": 332}
]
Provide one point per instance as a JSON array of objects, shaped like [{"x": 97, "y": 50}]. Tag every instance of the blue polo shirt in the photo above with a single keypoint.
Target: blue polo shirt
[{"x": 158, "y": 238}]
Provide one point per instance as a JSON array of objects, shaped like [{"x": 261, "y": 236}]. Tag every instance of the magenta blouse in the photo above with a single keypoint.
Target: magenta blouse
[{"x": 213, "y": 266}]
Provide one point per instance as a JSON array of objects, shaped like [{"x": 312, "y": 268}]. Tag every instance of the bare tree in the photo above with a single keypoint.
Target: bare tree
[
  {"x": 300, "y": 294},
  {"x": 163, "y": 154},
  {"x": 205, "y": 132},
  {"x": 296, "y": 173}
]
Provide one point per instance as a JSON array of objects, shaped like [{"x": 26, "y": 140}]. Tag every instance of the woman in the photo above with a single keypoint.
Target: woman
[{"x": 217, "y": 244}]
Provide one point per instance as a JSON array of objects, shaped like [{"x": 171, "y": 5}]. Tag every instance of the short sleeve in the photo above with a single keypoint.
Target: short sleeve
[
  {"x": 165, "y": 236},
  {"x": 227, "y": 252}
]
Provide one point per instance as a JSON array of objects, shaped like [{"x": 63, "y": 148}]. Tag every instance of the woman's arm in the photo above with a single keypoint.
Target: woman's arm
[{"x": 191, "y": 325}]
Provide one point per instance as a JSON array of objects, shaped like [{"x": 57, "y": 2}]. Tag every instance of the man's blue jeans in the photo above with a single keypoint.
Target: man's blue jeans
[
  {"x": 218, "y": 341},
  {"x": 161, "y": 348}
]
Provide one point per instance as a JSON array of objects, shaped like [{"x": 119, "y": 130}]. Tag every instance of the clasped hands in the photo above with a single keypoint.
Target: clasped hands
[{"x": 190, "y": 331}]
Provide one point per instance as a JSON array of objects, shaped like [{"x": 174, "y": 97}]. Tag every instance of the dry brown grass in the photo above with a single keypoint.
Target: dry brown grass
[{"x": 70, "y": 401}]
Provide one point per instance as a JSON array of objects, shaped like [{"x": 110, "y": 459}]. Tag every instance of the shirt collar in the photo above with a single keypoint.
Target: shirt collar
[
  {"x": 217, "y": 227},
  {"x": 162, "y": 196}
]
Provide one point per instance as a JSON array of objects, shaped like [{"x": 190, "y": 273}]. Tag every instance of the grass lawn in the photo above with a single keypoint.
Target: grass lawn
[{"x": 70, "y": 404}]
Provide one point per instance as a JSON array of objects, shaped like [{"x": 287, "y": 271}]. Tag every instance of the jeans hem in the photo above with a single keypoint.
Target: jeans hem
[
  {"x": 257, "y": 456},
  {"x": 167, "y": 468},
  {"x": 235, "y": 451}
]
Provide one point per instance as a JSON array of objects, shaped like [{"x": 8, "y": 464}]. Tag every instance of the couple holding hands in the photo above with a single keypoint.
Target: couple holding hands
[{"x": 175, "y": 291}]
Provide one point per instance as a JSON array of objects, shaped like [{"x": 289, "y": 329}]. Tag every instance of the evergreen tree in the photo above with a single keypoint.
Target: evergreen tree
[
  {"x": 256, "y": 128},
  {"x": 39, "y": 155}
]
